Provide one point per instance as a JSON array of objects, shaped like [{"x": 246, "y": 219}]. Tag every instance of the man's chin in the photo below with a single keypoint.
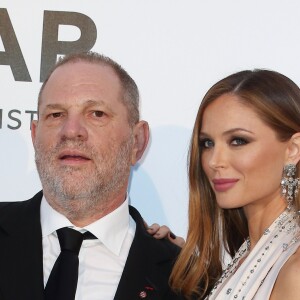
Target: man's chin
[
  {"x": 72, "y": 194},
  {"x": 75, "y": 169}
]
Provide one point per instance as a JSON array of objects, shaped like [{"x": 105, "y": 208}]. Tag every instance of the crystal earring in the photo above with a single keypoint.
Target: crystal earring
[{"x": 289, "y": 184}]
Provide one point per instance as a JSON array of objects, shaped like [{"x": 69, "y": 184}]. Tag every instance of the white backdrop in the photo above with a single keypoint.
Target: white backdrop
[{"x": 175, "y": 50}]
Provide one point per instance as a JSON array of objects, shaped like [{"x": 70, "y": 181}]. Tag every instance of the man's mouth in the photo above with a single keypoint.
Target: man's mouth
[{"x": 73, "y": 157}]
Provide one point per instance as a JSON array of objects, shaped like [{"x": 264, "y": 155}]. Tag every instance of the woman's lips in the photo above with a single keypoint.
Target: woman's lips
[{"x": 224, "y": 184}]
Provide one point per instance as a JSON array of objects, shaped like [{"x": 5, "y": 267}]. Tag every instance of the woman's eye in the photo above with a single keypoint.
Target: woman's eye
[
  {"x": 98, "y": 113},
  {"x": 238, "y": 141},
  {"x": 206, "y": 143}
]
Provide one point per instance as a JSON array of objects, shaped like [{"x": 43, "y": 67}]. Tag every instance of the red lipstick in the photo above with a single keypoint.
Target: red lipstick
[{"x": 224, "y": 184}]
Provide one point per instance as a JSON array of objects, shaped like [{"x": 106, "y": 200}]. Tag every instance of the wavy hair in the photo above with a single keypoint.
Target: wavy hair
[{"x": 276, "y": 100}]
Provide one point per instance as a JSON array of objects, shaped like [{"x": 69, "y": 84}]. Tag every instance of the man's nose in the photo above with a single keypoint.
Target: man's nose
[{"x": 74, "y": 128}]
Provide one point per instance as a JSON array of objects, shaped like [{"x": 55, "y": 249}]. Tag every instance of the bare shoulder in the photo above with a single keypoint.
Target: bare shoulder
[{"x": 288, "y": 281}]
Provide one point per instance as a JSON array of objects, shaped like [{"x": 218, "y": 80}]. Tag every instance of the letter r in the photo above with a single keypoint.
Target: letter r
[{"x": 51, "y": 46}]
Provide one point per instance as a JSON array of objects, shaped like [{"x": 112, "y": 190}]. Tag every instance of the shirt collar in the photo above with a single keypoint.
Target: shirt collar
[{"x": 111, "y": 229}]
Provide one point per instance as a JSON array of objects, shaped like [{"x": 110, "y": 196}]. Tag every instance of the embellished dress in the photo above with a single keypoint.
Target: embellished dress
[{"x": 256, "y": 276}]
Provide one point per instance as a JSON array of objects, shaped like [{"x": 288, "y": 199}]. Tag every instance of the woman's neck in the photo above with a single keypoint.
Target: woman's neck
[{"x": 260, "y": 217}]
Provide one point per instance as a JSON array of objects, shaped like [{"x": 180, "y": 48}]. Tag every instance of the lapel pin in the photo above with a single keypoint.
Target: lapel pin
[{"x": 143, "y": 294}]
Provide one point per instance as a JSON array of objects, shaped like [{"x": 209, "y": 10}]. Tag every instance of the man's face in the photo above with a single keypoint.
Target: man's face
[{"x": 83, "y": 141}]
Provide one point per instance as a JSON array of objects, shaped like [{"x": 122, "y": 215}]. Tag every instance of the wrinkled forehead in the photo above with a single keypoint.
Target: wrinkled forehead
[
  {"x": 79, "y": 78},
  {"x": 76, "y": 73}
]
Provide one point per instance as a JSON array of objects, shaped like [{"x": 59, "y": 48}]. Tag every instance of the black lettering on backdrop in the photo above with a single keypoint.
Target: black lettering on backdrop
[
  {"x": 12, "y": 55},
  {"x": 32, "y": 113},
  {"x": 51, "y": 46},
  {"x": 10, "y": 115},
  {"x": 16, "y": 118}
]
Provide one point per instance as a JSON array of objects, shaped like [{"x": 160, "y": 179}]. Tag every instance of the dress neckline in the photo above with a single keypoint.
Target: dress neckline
[{"x": 241, "y": 281}]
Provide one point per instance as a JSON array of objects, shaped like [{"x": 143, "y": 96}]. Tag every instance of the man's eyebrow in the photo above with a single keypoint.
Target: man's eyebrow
[
  {"x": 95, "y": 102},
  {"x": 87, "y": 103},
  {"x": 53, "y": 106}
]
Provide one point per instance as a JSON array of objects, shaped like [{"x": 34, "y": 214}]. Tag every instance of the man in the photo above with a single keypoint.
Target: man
[{"x": 87, "y": 136}]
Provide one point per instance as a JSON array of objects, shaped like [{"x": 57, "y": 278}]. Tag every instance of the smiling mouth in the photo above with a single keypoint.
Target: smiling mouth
[{"x": 223, "y": 185}]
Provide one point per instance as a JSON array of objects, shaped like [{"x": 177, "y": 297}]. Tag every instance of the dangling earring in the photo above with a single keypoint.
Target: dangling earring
[{"x": 289, "y": 184}]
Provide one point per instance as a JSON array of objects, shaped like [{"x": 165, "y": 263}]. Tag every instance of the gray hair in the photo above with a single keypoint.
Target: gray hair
[{"x": 130, "y": 90}]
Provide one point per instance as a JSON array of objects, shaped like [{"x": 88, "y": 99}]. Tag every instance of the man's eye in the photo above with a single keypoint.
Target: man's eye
[
  {"x": 98, "y": 113},
  {"x": 56, "y": 115}
]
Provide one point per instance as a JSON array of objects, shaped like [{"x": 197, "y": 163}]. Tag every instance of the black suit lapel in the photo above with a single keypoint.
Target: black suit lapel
[
  {"x": 144, "y": 273},
  {"x": 21, "y": 254},
  {"x": 21, "y": 257}
]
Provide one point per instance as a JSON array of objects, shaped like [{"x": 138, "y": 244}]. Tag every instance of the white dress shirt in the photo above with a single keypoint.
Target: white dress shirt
[{"x": 102, "y": 260}]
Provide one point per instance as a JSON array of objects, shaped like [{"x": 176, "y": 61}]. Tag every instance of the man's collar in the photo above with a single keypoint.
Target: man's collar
[{"x": 111, "y": 229}]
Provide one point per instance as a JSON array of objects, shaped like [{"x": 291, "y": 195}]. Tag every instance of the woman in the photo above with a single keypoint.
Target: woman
[{"x": 243, "y": 176}]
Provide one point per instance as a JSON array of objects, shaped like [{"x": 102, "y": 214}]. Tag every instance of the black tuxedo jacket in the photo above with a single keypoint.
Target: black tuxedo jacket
[{"x": 145, "y": 275}]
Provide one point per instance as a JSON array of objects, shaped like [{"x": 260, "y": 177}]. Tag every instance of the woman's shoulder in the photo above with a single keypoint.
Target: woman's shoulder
[{"x": 288, "y": 280}]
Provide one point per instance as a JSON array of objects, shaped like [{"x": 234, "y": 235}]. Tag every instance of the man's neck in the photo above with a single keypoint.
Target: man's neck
[{"x": 80, "y": 214}]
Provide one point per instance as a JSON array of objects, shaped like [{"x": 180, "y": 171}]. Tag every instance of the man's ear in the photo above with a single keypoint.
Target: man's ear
[
  {"x": 141, "y": 138},
  {"x": 293, "y": 150},
  {"x": 33, "y": 128}
]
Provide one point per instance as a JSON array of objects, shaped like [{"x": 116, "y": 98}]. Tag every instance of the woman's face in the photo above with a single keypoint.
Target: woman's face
[{"x": 241, "y": 155}]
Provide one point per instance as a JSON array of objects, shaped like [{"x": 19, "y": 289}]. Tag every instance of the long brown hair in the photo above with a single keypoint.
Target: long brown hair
[{"x": 276, "y": 99}]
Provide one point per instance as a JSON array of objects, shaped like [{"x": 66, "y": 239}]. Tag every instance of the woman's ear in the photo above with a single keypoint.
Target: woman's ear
[
  {"x": 294, "y": 149},
  {"x": 141, "y": 138}
]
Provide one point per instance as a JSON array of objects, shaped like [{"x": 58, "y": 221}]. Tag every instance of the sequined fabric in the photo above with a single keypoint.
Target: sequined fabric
[{"x": 256, "y": 275}]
